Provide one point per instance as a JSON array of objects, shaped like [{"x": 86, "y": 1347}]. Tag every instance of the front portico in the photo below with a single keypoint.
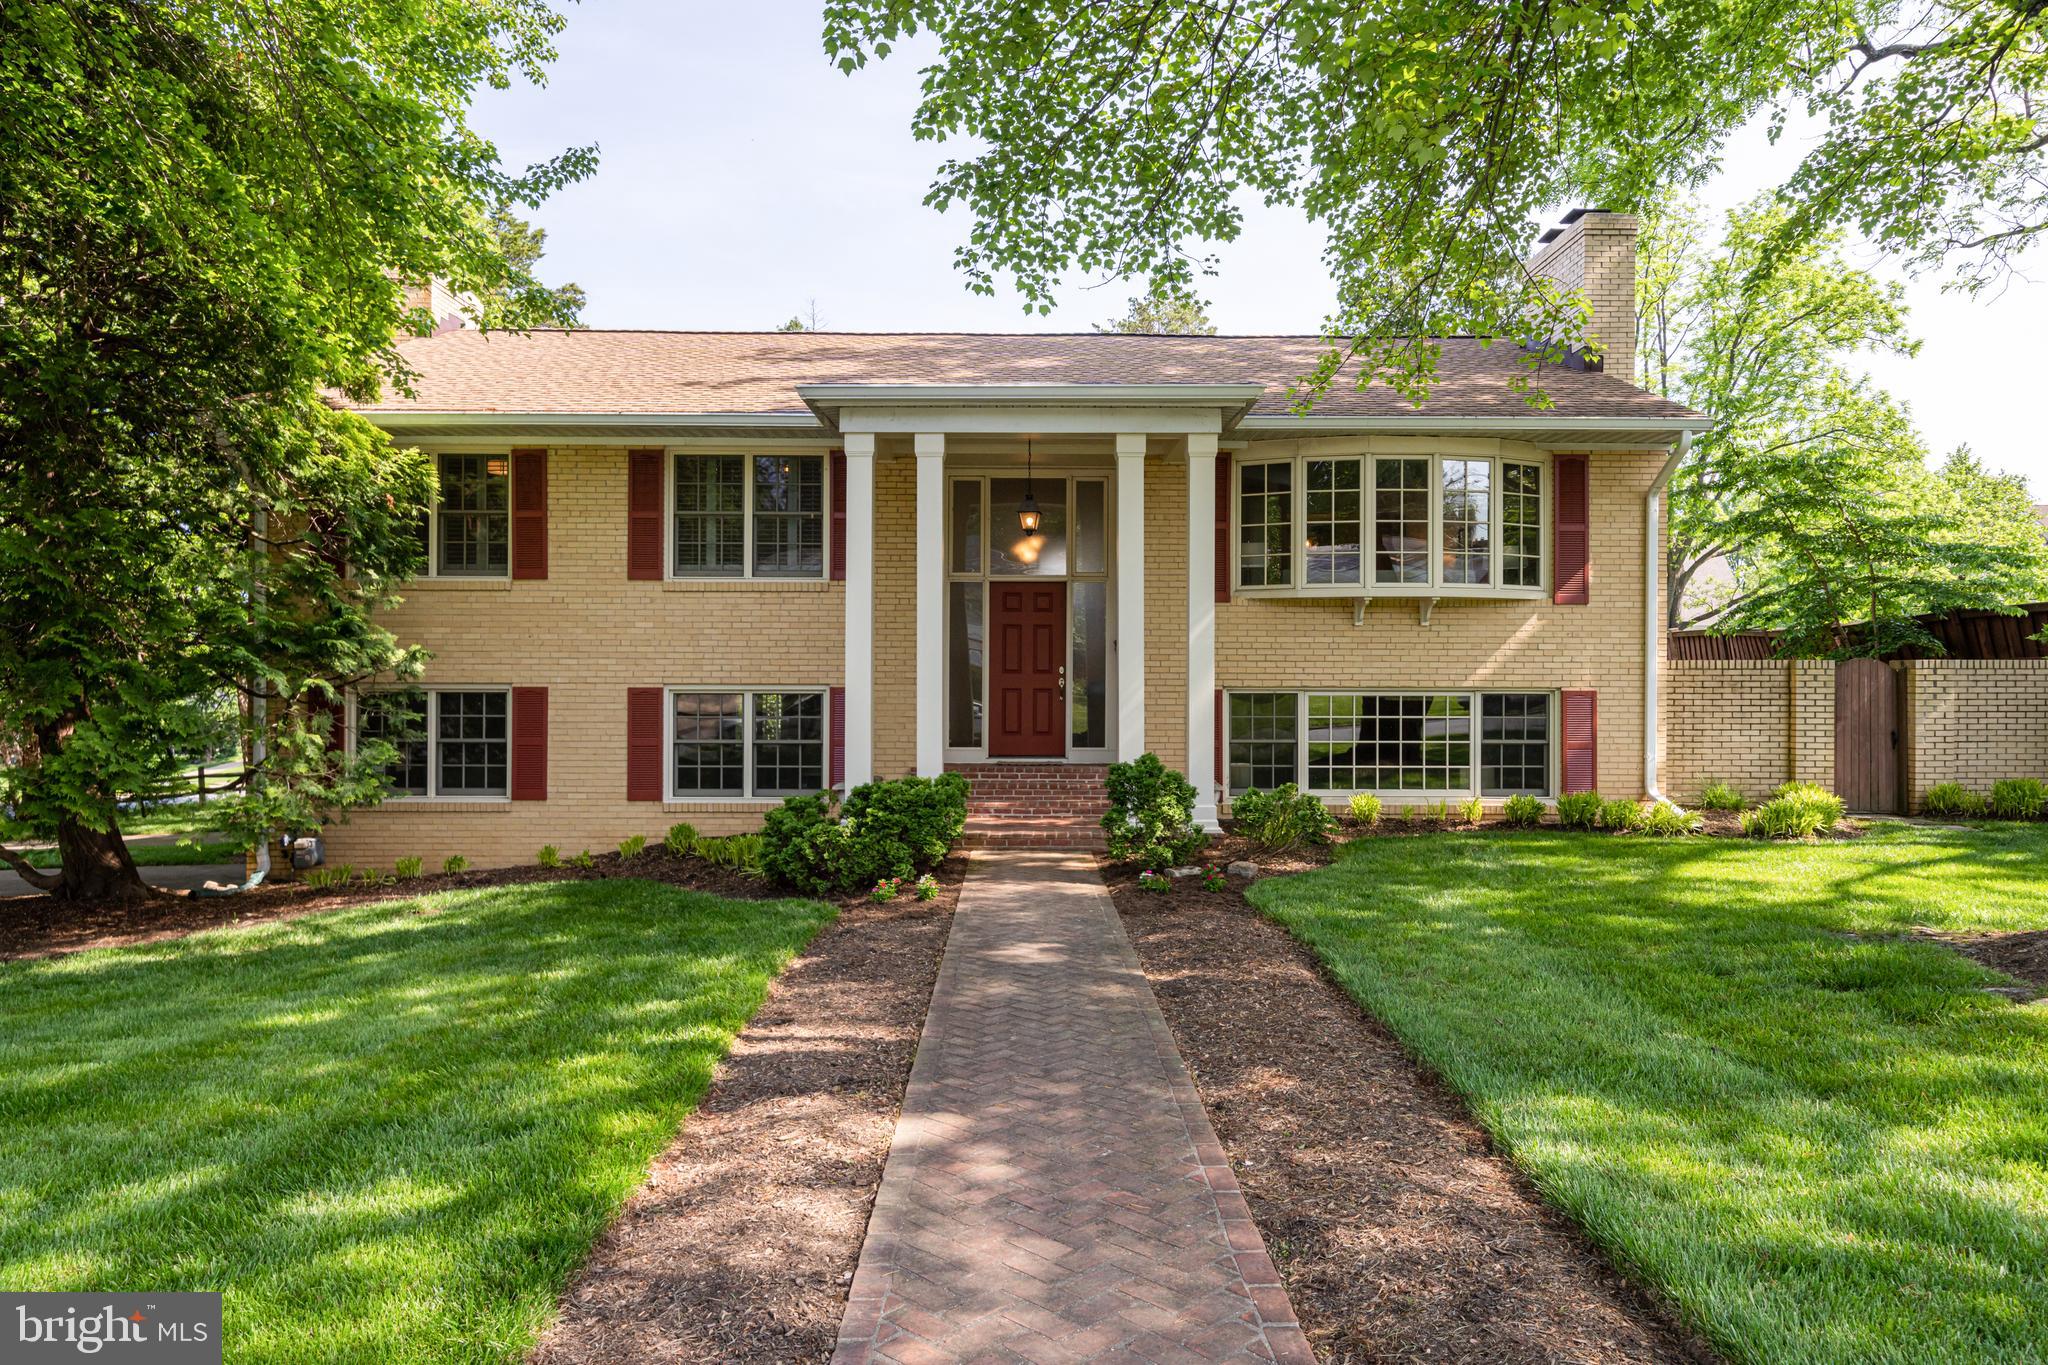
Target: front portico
[{"x": 997, "y": 615}]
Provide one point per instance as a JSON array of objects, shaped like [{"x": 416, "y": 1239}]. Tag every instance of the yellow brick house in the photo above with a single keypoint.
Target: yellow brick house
[{"x": 681, "y": 575}]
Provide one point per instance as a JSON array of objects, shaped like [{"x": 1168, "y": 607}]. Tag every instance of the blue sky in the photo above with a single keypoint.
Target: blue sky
[{"x": 742, "y": 177}]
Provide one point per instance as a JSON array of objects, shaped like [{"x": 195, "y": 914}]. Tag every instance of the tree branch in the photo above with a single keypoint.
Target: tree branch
[{"x": 28, "y": 872}]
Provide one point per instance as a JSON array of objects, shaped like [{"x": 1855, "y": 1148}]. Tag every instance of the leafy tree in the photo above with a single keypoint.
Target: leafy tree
[
  {"x": 1426, "y": 138},
  {"x": 521, "y": 244},
  {"x": 204, "y": 214},
  {"x": 1159, "y": 313},
  {"x": 1813, "y": 485}
]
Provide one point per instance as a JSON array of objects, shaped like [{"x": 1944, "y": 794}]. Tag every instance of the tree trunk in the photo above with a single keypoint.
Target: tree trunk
[{"x": 96, "y": 865}]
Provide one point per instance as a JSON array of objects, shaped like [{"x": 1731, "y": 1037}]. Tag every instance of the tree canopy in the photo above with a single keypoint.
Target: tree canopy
[
  {"x": 1120, "y": 138},
  {"x": 206, "y": 217},
  {"x": 1813, "y": 486},
  {"x": 1160, "y": 313}
]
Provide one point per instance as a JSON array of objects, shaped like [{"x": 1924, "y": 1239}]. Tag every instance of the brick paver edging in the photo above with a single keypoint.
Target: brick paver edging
[{"x": 1054, "y": 1191}]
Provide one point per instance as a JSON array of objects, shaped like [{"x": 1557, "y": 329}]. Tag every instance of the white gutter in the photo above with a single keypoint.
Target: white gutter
[
  {"x": 1653, "y": 607},
  {"x": 1426, "y": 424},
  {"x": 388, "y": 417}
]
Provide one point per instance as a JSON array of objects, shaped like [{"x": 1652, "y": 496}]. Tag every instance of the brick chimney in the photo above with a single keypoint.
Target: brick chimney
[
  {"x": 1594, "y": 251},
  {"x": 438, "y": 299}
]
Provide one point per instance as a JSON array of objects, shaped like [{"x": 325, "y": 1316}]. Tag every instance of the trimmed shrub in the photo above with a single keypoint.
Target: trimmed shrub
[
  {"x": 1523, "y": 811},
  {"x": 1579, "y": 810},
  {"x": 1951, "y": 798},
  {"x": 1365, "y": 809},
  {"x": 1797, "y": 810},
  {"x": 1667, "y": 821},
  {"x": 1623, "y": 816},
  {"x": 1151, "y": 814},
  {"x": 455, "y": 862},
  {"x": 549, "y": 856},
  {"x": 630, "y": 847},
  {"x": 681, "y": 839},
  {"x": 2018, "y": 798},
  {"x": 1284, "y": 818},
  {"x": 1472, "y": 811},
  {"x": 408, "y": 868},
  {"x": 1720, "y": 796},
  {"x": 894, "y": 828}
]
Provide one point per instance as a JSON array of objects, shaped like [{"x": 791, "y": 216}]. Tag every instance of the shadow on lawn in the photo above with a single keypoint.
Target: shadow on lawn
[
  {"x": 1801, "y": 1135},
  {"x": 380, "y": 1125}
]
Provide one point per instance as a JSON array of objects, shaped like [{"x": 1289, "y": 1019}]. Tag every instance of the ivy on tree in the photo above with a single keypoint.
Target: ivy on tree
[{"x": 205, "y": 212}]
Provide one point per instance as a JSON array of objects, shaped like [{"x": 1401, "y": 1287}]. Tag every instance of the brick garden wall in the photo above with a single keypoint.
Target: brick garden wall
[
  {"x": 1974, "y": 721},
  {"x": 1757, "y": 724}
]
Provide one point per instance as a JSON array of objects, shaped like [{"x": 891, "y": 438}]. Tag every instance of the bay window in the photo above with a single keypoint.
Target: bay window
[
  {"x": 742, "y": 744},
  {"x": 1402, "y": 524},
  {"x": 1426, "y": 745}
]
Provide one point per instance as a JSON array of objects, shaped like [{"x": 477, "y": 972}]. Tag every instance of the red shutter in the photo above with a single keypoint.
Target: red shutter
[
  {"x": 643, "y": 515},
  {"x": 1570, "y": 542},
  {"x": 529, "y": 514},
  {"x": 529, "y": 744},
  {"x": 643, "y": 744},
  {"x": 1222, "y": 774},
  {"x": 838, "y": 705},
  {"x": 1223, "y": 499},
  {"x": 836, "y": 477},
  {"x": 1581, "y": 741}
]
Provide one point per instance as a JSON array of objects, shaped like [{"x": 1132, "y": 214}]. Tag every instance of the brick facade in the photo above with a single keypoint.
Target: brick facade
[
  {"x": 1727, "y": 722},
  {"x": 1301, "y": 643},
  {"x": 1597, "y": 256},
  {"x": 587, "y": 633}
]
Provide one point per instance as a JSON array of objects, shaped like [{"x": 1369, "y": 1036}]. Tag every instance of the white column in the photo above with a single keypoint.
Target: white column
[
  {"x": 1130, "y": 595},
  {"x": 860, "y": 608},
  {"x": 931, "y": 603},
  {"x": 1202, "y": 627}
]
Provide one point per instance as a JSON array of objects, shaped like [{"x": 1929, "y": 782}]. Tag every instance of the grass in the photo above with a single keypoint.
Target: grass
[
  {"x": 182, "y": 854},
  {"x": 1822, "y": 1141},
  {"x": 388, "y": 1134},
  {"x": 183, "y": 817}
]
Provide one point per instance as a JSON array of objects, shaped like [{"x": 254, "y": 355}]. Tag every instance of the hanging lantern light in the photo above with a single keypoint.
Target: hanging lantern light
[{"x": 1028, "y": 515}]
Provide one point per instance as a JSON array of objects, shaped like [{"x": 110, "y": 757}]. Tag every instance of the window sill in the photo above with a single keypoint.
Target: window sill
[
  {"x": 458, "y": 804},
  {"x": 456, "y": 584},
  {"x": 677, "y": 805},
  {"x": 748, "y": 584},
  {"x": 1447, "y": 593}
]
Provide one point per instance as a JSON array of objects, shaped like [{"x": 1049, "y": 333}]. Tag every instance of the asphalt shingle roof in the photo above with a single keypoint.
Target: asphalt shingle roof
[{"x": 758, "y": 372}]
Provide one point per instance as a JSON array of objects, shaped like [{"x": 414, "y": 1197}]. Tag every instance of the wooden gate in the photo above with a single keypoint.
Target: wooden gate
[{"x": 1867, "y": 736}]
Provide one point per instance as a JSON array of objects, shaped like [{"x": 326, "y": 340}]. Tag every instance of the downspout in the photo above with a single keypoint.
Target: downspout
[
  {"x": 258, "y": 712},
  {"x": 1653, "y": 608}
]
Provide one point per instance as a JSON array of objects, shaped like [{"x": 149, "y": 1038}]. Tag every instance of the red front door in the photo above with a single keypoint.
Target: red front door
[{"x": 1027, "y": 684}]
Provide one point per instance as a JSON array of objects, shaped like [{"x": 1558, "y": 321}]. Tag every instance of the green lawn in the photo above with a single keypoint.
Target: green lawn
[
  {"x": 159, "y": 855},
  {"x": 388, "y": 1134},
  {"x": 1823, "y": 1147}
]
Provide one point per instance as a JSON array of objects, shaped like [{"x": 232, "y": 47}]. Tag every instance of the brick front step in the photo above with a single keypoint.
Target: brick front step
[{"x": 1032, "y": 832}]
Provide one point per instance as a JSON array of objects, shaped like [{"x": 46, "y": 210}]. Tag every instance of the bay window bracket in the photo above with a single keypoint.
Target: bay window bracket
[
  {"x": 1358, "y": 608},
  {"x": 1425, "y": 608}
]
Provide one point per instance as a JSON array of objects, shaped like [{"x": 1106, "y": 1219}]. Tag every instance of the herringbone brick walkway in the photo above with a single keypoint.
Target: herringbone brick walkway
[{"x": 1054, "y": 1192}]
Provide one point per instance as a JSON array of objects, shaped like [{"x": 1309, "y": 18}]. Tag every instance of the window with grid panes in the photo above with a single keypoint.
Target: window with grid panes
[
  {"x": 1467, "y": 521},
  {"x": 1400, "y": 527},
  {"x": 710, "y": 743},
  {"x": 1265, "y": 516},
  {"x": 472, "y": 519},
  {"x": 472, "y": 743},
  {"x": 789, "y": 743},
  {"x": 400, "y": 720},
  {"x": 1262, "y": 730},
  {"x": 1521, "y": 524},
  {"x": 1514, "y": 743},
  {"x": 1333, "y": 504}
]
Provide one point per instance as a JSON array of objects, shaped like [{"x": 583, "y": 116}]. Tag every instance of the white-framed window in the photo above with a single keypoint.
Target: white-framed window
[
  {"x": 1395, "y": 523},
  {"x": 747, "y": 515},
  {"x": 739, "y": 743},
  {"x": 1420, "y": 745},
  {"x": 467, "y": 532},
  {"x": 453, "y": 742}
]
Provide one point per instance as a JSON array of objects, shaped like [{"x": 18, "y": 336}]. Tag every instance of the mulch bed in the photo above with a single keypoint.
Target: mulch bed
[
  {"x": 2018, "y": 952},
  {"x": 742, "y": 1243},
  {"x": 42, "y": 926},
  {"x": 1400, "y": 1232}
]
